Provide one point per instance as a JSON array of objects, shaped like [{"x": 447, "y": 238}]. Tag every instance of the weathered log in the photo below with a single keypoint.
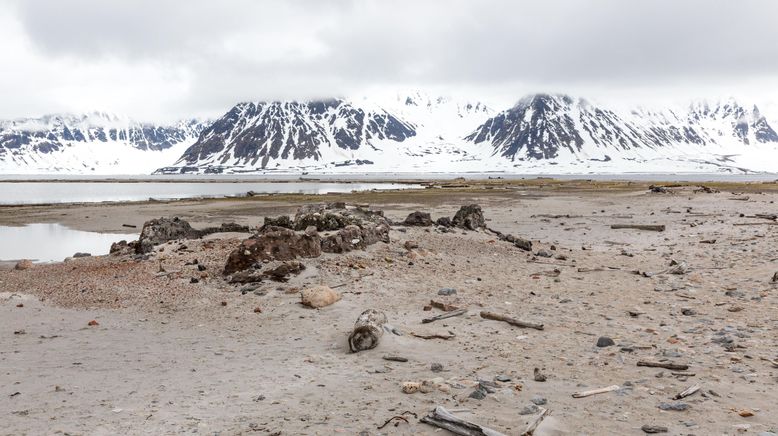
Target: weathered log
[
  {"x": 584, "y": 394},
  {"x": 367, "y": 330},
  {"x": 443, "y": 306},
  {"x": 649, "y": 227},
  {"x": 446, "y": 337},
  {"x": 536, "y": 422},
  {"x": 444, "y": 316},
  {"x": 440, "y": 417},
  {"x": 511, "y": 321},
  {"x": 666, "y": 365}
]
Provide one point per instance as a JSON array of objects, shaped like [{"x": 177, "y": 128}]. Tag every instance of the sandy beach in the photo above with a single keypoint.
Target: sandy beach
[{"x": 176, "y": 348}]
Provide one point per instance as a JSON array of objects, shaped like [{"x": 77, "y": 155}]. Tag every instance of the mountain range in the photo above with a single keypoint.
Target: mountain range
[{"x": 409, "y": 132}]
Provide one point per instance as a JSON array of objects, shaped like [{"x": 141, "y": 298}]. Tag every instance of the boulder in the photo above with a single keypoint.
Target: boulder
[
  {"x": 319, "y": 296},
  {"x": 354, "y": 237},
  {"x": 225, "y": 228},
  {"x": 469, "y": 217},
  {"x": 444, "y": 221},
  {"x": 281, "y": 221},
  {"x": 77, "y": 255},
  {"x": 324, "y": 221},
  {"x": 123, "y": 247},
  {"x": 275, "y": 243},
  {"x": 23, "y": 264},
  {"x": 418, "y": 219},
  {"x": 158, "y": 231}
]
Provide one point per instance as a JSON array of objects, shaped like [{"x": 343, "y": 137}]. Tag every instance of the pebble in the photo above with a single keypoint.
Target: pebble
[
  {"x": 538, "y": 400},
  {"x": 447, "y": 291},
  {"x": 678, "y": 407},
  {"x": 529, "y": 410},
  {"x": 436, "y": 367},
  {"x": 605, "y": 341},
  {"x": 478, "y": 394},
  {"x": 502, "y": 378}
]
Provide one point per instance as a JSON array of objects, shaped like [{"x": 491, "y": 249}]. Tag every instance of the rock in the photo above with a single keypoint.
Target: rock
[
  {"x": 354, "y": 237},
  {"x": 436, "y": 367},
  {"x": 469, "y": 217},
  {"x": 77, "y": 255},
  {"x": 410, "y": 245},
  {"x": 678, "y": 407},
  {"x": 311, "y": 231},
  {"x": 324, "y": 221},
  {"x": 688, "y": 312},
  {"x": 194, "y": 280},
  {"x": 447, "y": 291},
  {"x": 444, "y": 221},
  {"x": 538, "y": 400},
  {"x": 775, "y": 278},
  {"x": 605, "y": 341},
  {"x": 653, "y": 429},
  {"x": 539, "y": 376},
  {"x": 225, "y": 228},
  {"x": 201, "y": 268},
  {"x": 123, "y": 248},
  {"x": 478, "y": 394},
  {"x": 544, "y": 253},
  {"x": 502, "y": 378},
  {"x": 319, "y": 296},
  {"x": 518, "y": 242},
  {"x": 280, "y": 221},
  {"x": 411, "y": 387},
  {"x": 275, "y": 243},
  {"x": 418, "y": 219},
  {"x": 158, "y": 231},
  {"x": 93, "y": 323},
  {"x": 282, "y": 272},
  {"x": 529, "y": 410},
  {"x": 23, "y": 265}
]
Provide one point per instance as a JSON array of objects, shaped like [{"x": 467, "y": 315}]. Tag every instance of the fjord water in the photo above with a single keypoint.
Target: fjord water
[
  {"x": 53, "y": 242},
  {"x": 47, "y": 192}
]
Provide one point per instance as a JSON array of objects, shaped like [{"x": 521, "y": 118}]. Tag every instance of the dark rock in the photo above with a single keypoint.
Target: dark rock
[
  {"x": 225, "y": 228},
  {"x": 469, "y": 217},
  {"x": 605, "y": 341},
  {"x": 410, "y": 245},
  {"x": 123, "y": 247},
  {"x": 77, "y": 255},
  {"x": 539, "y": 376},
  {"x": 653, "y": 429},
  {"x": 281, "y": 221},
  {"x": 775, "y": 278},
  {"x": 158, "y": 231},
  {"x": 444, "y": 221},
  {"x": 478, "y": 394},
  {"x": 678, "y": 407},
  {"x": 201, "y": 267},
  {"x": 447, "y": 291},
  {"x": 194, "y": 280},
  {"x": 418, "y": 219},
  {"x": 538, "y": 400},
  {"x": 354, "y": 237},
  {"x": 282, "y": 272},
  {"x": 275, "y": 243},
  {"x": 436, "y": 367},
  {"x": 324, "y": 221},
  {"x": 688, "y": 312}
]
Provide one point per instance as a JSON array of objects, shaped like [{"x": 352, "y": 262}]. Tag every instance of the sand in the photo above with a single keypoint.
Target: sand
[{"x": 170, "y": 356}]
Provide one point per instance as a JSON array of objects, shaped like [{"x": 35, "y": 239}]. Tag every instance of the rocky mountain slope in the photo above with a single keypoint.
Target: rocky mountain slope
[{"x": 94, "y": 142}]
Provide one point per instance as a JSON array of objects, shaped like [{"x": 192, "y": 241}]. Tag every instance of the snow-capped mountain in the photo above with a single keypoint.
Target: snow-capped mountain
[{"x": 97, "y": 142}]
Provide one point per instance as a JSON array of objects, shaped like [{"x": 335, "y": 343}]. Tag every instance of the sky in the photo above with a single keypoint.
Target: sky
[{"x": 164, "y": 59}]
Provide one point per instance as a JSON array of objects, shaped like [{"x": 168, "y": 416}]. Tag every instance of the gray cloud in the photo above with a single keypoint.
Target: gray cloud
[{"x": 213, "y": 54}]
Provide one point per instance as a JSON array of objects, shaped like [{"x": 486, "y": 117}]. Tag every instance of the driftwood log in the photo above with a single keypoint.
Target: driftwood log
[
  {"x": 584, "y": 394},
  {"x": 666, "y": 365},
  {"x": 440, "y": 417},
  {"x": 367, "y": 330},
  {"x": 686, "y": 392},
  {"x": 532, "y": 426},
  {"x": 511, "y": 321},
  {"x": 649, "y": 227},
  {"x": 444, "y": 316}
]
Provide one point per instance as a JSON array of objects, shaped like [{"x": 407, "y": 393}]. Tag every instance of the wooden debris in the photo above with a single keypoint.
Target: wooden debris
[
  {"x": 443, "y": 306},
  {"x": 533, "y": 425},
  {"x": 666, "y": 365},
  {"x": 444, "y": 316},
  {"x": 395, "y": 358},
  {"x": 584, "y": 394},
  {"x": 512, "y": 321},
  {"x": 440, "y": 417},
  {"x": 648, "y": 227},
  {"x": 367, "y": 330},
  {"x": 445, "y": 337},
  {"x": 688, "y": 391}
]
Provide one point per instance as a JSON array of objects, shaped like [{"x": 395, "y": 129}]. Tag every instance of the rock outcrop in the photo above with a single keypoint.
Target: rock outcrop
[
  {"x": 469, "y": 217},
  {"x": 274, "y": 243}
]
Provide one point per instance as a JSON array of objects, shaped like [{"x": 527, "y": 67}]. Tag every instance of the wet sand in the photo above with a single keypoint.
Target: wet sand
[{"x": 170, "y": 356}]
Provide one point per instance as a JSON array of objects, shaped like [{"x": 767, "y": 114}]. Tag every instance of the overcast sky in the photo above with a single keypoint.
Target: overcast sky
[{"x": 163, "y": 59}]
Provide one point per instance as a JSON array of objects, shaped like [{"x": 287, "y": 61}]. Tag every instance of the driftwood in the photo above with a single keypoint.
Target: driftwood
[
  {"x": 444, "y": 316},
  {"x": 688, "y": 391},
  {"x": 649, "y": 227},
  {"x": 536, "y": 422},
  {"x": 440, "y": 417},
  {"x": 443, "y": 306},
  {"x": 450, "y": 335},
  {"x": 666, "y": 365},
  {"x": 367, "y": 330},
  {"x": 584, "y": 394},
  {"x": 511, "y": 321}
]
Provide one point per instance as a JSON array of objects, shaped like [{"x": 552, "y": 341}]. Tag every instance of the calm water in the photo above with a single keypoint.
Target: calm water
[
  {"x": 53, "y": 242},
  {"x": 91, "y": 192}
]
